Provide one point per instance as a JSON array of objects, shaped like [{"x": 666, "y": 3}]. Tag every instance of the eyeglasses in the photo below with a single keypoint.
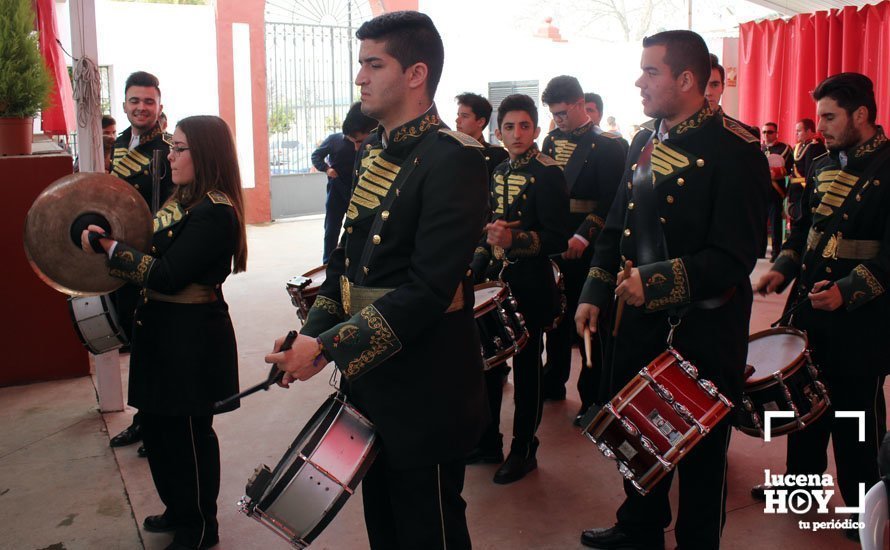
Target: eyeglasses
[
  {"x": 769, "y": 131},
  {"x": 176, "y": 151},
  {"x": 561, "y": 115}
]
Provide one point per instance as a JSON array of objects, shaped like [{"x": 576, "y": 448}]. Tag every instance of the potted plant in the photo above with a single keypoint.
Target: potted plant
[{"x": 24, "y": 79}]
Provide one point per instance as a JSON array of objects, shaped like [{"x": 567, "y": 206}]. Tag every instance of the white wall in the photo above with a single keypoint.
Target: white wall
[{"x": 176, "y": 43}]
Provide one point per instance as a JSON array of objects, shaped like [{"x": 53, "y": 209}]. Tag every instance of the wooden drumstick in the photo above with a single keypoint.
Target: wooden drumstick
[
  {"x": 628, "y": 267},
  {"x": 588, "y": 363}
]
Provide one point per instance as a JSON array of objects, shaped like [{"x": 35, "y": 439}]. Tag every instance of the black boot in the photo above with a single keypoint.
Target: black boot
[
  {"x": 616, "y": 538},
  {"x": 521, "y": 461},
  {"x": 487, "y": 452},
  {"x": 131, "y": 435}
]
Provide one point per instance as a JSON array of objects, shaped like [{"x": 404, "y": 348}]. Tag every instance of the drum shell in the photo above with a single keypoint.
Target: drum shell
[
  {"x": 501, "y": 327},
  {"x": 304, "y": 289},
  {"x": 318, "y": 473},
  {"x": 96, "y": 323}
]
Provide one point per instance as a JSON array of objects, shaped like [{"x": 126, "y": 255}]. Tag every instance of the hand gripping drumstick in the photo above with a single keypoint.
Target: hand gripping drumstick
[
  {"x": 588, "y": 363},
  {"x": 628, "y": 266},
  {"x": 275, "y": 376}
]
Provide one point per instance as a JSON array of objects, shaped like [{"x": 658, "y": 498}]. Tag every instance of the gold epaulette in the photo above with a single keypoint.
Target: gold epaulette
[
  {"x": 218, "y": 197},
  {"x": 648, "y": 125},
  {"x": 820, "y": 156},
  {"x": 735, "y": 127},
  {"x": 545, "y": 160},
  {"x": 461, "y": 138},
  {"x": 168, "y": 138}
]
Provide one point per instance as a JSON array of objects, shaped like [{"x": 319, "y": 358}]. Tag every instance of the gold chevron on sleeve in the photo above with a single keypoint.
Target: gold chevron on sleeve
[
  {"x": 373, "y": 184},
  {"x": 665, "y": 159},
  {"x": 562, "y": 151}
]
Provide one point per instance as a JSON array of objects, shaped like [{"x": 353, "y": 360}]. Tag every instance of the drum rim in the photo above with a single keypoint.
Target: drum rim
[
  {"x": 786, "y": 427},
  {"x": 488, "y": 305},
  {"x": 110, "y": 314},
  {"x": 791, "y": 368}
]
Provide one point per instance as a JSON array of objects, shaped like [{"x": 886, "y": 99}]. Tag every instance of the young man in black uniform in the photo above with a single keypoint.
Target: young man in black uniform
[
  {"x": 396, "y": 311},
  {"x": 776, "y": 209},
  {"x": 132, "y": 162},
  {"x": 592, "y": 164},
  {"x": 335, "y": 157},
  {"x": 593, "y": 106},
  {"x": 686, "y": 219},
  {"x": 842, "y": 236},
  {"x": 808, "y": 148},
  {"x": 473, "y": 114},
  {"x": 529, "y": 204}
]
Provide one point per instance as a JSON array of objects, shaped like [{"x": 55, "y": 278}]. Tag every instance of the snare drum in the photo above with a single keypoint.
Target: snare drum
[
  {"x": 501, "y": 326},
  {"x": 784, "y": 379},
  {"x": 561, "y": 286},
  {"x": 318, "y": 473},
  {"x": 656, "y": 419},
  {"x": 303, "y": 290},
  {"x": 95, "y": 321}
]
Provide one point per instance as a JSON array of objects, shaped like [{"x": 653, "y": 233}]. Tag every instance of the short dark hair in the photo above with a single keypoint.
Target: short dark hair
[
  {"x": 808, "y": 124},
  {"x": 411, "y": 37},
  {"x": 850, "y": 91},
  {"x": 684, "y": 50},
  {"x": 478, "y": 104},
  {"x": 773, "y": 124},
  {"x": 108, "y": 120},
  {"x": 594, "y": 98},
  {"x": 715, "y": 64},
  {"x": 562, "y": 89},
  {"x": 517, "y": 102},
  {"x": 357, "y": 122},
  {"x": 142, "y": 78}
]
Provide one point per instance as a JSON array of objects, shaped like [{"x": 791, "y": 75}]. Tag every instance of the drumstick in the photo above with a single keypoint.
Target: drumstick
[
  {"x": 588, "y": 363},
  {"x": 628, "y": 266},
  {"x": 275, "y": 376}
]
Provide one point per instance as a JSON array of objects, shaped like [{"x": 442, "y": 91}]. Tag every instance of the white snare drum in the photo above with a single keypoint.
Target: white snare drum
[
  {"x": 316, "y": 475},
  {"x": 95, "y": 321}
]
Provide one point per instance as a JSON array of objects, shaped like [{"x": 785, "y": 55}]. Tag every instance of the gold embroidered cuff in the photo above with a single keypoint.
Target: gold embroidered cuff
[
  {"x": 130, "y": 264},
  {"x": 323, "y": 314},
  {"x": 665, "y": 284},
  {"x": 859, "y": 287},
  {"x": 361, "y": 343},
  {"x": 598, "y": 288},
  {"x": 525, "y": 244}
]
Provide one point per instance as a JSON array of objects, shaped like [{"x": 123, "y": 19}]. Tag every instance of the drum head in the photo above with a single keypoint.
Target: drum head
[
  {"x": 774, "y": 350},
  {"x": 485, "y": 293}
]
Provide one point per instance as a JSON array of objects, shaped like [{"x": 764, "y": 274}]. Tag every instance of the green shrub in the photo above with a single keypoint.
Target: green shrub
[{"x": 24, "y": 78}]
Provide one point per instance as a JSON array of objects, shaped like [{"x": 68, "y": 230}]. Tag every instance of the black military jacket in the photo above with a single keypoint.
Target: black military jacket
[
  {"x": 494, "y": 155},
  {"x": 702, "y": 175},
  {"x": 183, "y": 356},
  {"x": 134, "y": 166},
  {"x": 412, "y": 368},
  {"x": 803, "y": 157},
  {"x": 532, "y": 191},
  {"x": 591, "y": 192},
  {"x": 845, "y": 340}
]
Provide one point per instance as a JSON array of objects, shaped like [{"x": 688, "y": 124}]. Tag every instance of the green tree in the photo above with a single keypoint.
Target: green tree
[
  {"x": 280, "y": 118},
  {"x": 24, "y": 80}
]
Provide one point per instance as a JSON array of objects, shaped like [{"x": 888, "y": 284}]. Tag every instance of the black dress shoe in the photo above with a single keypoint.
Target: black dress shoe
[
  {"x": 141, "y": 452},
  {"x": 481, "y": 455},
  {"x": 127, "y": 437},
  {"x": 615, "y": 538},
  {"x": 555, "y": 394},
  {"x": 515, "y": 467},
  {"x": 159, "y": 524},
  {"x": 578, "y": 417},
  {"x": 758, "y": 492}
]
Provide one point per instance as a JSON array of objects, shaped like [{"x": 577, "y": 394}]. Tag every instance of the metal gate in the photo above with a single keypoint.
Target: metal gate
[{"x": 311, "y": 62}]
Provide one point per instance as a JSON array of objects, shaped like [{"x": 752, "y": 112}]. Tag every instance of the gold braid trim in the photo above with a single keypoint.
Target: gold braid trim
[
  {"x": 412, "y": 131},
  {"x": 383, "y": 339},
  {"x": 694, "y": 121},
  {"x": 526, "y": 244},
  {"x": 680, "y": 292},
  {"x": 481, "y": 250},
  {"x": 329, "y": 306},
  {"x": 791, "y": 255},
  {"x": 871, "y": 145},
  {"x": 873, "y": 284},
  {"x": 600, "y": 274}
]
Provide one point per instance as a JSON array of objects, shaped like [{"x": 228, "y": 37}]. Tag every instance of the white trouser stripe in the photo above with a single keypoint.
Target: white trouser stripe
[{"x": 197, "y": 482}]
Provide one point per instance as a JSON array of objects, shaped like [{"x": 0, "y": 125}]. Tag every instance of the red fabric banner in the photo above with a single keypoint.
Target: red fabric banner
[
  {"x": 781, "y": 62},
  {"x": 59, "y": 118}
]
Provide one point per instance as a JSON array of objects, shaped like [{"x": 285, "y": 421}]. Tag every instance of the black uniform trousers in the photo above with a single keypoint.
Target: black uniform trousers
[
  {"x": 125, "y": 300},
  {"x": 561, "y": 339},
  {"x": 776, "y": 219},
  {"x": 495, "y": 378},
  {"x": 184, "y": 463},
  {"x": 334, "y": 209},
  {"x": 702, "y": 506},
  {"x": 856, "y": 461},
  {"x": 417, "y": 508}
]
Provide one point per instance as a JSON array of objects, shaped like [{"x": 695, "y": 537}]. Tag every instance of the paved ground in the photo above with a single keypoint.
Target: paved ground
[{"x": 63, "y": 488}]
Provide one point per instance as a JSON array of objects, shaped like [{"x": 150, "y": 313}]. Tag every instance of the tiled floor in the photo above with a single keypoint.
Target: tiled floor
[{"x": 62, "y": 487}]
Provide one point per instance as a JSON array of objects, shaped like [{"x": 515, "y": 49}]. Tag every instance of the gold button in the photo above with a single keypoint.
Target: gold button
[
  {"x": 877, "y": 182},
  {"x": 630, "y": 185},
  {"x": 368, "y": 146},
  {"x": 630, "y": 206},
  {"x": 700, "y": 162},
  {"x": 487, "y": 159},
  {"x": 524, "y": 196},
  {"x": 139, "y": 323},
  {"x": 347, "y": 262},
  {"x": 519, "y": 212},
  {"x": 827, "y": 269},
  {"x": 469, "y": 273},
  {"x": 846, "y": 217},
  {"x": 803, "y": 267},
  {"x": 136, "y": 186},
  {"x": 858, "y": 198},
  {"x": 154, "y": 249},
  {"x": 532, "y": 179},
  {"x": 375, "y": 239},
  {"x": 662, "y": 220},
  {"x": 490, "y": 262},
  {"x": 633, "y": 167},
  {"x": 655, "y": 141},
  {"x": 349, "y": 229},
  {"x": 145, "y": 300},
  {"x": 384, "y": 215},
  {"x": 145, "y": 172},
  {"x": 627, "y": 232},
  {"x": 366, "y": 270},
  {"x": 670, "y": 199},
  {"x": 681, "y": 182},
  {"x": 169, "y": 232}
]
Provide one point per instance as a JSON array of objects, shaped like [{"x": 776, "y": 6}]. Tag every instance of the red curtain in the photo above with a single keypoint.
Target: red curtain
[
  {"x": 59, "y": 117},
  {"x": 781, "y": 62}
]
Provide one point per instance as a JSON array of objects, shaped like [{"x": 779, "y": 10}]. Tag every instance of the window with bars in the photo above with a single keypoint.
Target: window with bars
[{"x": 497, "y": 91}]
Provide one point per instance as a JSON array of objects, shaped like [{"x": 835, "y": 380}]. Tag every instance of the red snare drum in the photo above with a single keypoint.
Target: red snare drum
[
  {"x": 656, "y": 419},
  {"x": 304, "y": 289},
  {"x": 502, "y": 331}
]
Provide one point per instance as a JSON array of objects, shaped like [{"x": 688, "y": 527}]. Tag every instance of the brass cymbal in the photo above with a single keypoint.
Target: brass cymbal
[{"x": 63, "y": 210}]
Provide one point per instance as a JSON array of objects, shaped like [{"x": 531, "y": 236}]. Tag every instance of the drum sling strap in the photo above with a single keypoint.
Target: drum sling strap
[{"x": 407, "y": 167}]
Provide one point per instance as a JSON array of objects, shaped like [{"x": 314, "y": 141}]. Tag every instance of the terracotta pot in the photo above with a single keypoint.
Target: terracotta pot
[{"x": 16, "y": 135}]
